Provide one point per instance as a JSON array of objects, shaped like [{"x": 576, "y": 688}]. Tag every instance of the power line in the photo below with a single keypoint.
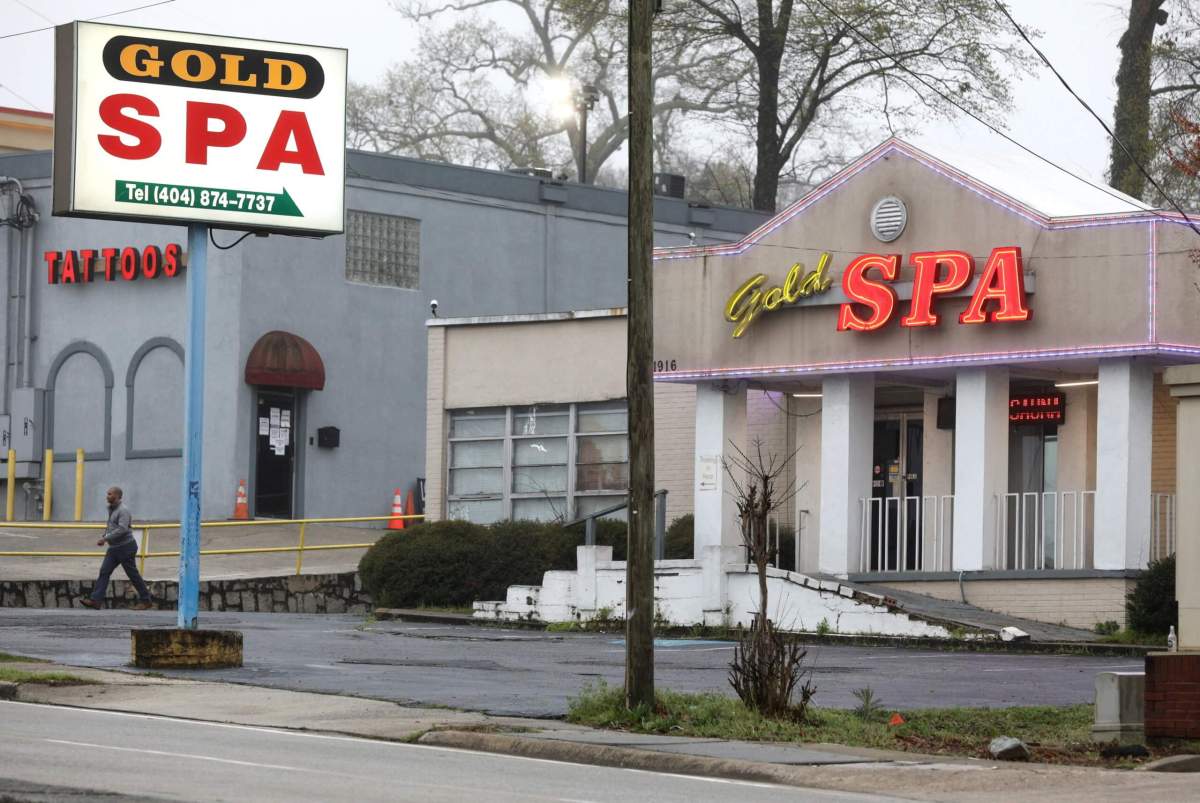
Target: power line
[
  {"x": 1100, "y": 120},
  {"x": 89, "y": 19},
  {"x": 19, "y": 96},
  {"x": 933, "y": 88}
]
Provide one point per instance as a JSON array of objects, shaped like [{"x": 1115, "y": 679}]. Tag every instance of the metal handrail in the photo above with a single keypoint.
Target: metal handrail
[
  {"x": 144, "y": 550},
  {"x": 660, "y": 522}
]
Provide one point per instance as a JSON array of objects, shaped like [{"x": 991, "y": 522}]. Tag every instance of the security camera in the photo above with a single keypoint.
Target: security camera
[
  {"x": 691, "y": 236},
  {"x": 433, "y": 307}
]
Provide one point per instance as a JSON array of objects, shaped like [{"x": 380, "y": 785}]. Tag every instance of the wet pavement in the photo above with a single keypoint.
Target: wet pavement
[{"x": 533, "y": 673}]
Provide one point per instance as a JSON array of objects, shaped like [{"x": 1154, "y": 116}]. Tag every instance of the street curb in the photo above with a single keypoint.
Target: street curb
[
  {"x": 832, "y": 639},
  {"x": 8, "y": 690},
  {"x": 621, "y": 757}
]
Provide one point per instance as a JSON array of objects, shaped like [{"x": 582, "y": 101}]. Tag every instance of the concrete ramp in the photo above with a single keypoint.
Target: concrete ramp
[{"x": 969, "y": 617}]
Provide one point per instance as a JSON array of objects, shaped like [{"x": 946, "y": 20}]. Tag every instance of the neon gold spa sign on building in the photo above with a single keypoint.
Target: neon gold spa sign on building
[
  {"x": 869, "y": 299},
  {"x": 169, "y": 126}
]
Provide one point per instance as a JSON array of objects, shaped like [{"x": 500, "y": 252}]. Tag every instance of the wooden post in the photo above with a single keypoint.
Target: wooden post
[{"x": 639, "y": 578}]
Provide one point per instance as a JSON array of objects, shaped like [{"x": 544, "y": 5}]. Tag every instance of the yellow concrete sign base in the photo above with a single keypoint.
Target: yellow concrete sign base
[{"x": 186, "y": 649}]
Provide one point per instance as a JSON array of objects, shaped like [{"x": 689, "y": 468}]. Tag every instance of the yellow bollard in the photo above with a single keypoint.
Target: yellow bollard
[
  {"x": 47, "y": 484},
  {"x": 300, "y": 551},
  {"x": 12, "y": 484},
  {"x": 79, "y": 485},
  {"x": 145, "y": 549}
]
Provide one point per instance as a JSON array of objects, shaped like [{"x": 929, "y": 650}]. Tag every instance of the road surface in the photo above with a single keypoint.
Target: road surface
[
  {"x": 533, "y": 673},
  {"x": 68, "y": 753}
]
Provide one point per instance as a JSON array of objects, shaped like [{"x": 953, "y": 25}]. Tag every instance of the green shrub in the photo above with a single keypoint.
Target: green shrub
[
  {"x": 454, "y": 563},
  {"x": 680, "y": 538},
  {"x": 1151, "y": 606}
]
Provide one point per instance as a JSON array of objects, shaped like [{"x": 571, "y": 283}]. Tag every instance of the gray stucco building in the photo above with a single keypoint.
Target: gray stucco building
[{"x": 95, "y": 361}]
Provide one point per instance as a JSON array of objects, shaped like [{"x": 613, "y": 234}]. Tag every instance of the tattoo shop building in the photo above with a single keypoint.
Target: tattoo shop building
[
  {"x": 965, "y": 355},
  {"x": 316, "y": 357}
]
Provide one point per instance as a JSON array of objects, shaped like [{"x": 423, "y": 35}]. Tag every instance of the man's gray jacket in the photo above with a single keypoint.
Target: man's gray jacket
[{"x": 118, "y": 532}]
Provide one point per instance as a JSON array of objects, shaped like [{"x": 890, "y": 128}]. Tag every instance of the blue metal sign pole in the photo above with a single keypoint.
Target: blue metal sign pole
[{"x": 193, "y": 442}]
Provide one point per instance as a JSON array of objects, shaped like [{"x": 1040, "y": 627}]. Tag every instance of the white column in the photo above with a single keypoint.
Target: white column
[
  {"x": 847, "y": 437},
  {"x": 720, "y": 422},
  {"x": 980, "y": 463},
  {"x": 1184, "y": 381},
  {"x": 1124, "y": 411}
]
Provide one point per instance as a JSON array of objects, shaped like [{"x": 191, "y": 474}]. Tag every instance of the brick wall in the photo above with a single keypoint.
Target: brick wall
[
  {"x": 1162, "y": 455},
  {"x": 306, "y": 593},
  {"x": 435, "y": 423},
  {"x": 675, "y": 445},
  {"x": 1173, "y": 695},
  {"x": 1077, "y": 602}
]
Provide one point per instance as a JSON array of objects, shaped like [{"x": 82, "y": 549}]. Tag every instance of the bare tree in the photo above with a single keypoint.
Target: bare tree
[
  {"x": 766, "y": 667},
  {"x": 470, "y": 96},
  {"x": 788, "y": 67},
  {"x": 1174, "y": 99}
]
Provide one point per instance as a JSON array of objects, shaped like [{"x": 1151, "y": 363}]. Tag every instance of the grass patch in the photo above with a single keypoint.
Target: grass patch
[
  {"x": 8, "y": 658},
  {"x": 1056, "y": 734},
  {"x": 1125, "y": 636},
  {"x": 48, "y": 678}
]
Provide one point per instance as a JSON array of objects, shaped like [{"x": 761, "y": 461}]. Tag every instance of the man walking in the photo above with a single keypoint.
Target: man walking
[{"x": 122, "y": 551}]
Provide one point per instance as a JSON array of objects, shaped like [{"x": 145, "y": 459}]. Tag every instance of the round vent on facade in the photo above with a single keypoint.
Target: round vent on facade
[{"x": 888, "y": 219}]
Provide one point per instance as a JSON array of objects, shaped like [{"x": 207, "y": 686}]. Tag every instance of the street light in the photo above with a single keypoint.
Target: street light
[{"x": 584, "y": 98}]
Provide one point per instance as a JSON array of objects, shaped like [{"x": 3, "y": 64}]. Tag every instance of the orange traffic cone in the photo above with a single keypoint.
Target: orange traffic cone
[
  {"x": 397, "y": 523},
  {"x": 409, "y": 508},
  {"x": 896, "y": 720},
  {"x": 241, "y": 505}
]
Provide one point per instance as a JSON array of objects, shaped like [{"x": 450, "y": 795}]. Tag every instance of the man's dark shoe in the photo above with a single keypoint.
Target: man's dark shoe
[
  {"x": 143, "y": 605},
  {"x": 88, "y": 602}
]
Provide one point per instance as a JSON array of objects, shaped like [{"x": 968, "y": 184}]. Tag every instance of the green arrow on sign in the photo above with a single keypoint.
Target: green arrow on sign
[{"x": 213, "y": 198}]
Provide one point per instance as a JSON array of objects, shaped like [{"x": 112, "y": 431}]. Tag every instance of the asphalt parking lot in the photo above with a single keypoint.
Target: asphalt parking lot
[{"x": 534, "y": 673}]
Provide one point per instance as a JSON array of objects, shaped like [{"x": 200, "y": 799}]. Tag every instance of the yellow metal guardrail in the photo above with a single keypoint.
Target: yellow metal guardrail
[{"x": 144, "y": 550}]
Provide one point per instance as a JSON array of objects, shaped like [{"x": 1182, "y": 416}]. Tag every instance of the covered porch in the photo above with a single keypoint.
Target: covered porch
[{"x": 1034, "y": 470}]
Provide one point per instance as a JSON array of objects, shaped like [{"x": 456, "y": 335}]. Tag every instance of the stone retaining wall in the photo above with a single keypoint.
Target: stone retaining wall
[{"x": 307, "y": 593}]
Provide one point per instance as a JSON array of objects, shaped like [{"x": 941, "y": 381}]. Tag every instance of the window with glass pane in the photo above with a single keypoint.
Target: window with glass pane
[
  {"x": 557, "y": 470},
  {"x": 540, "y": 508},
  {"x": 383, "y": 249},
  {"x": 480, "y": 511},
  {"x": 602, "y": 418},
  {"x": 484, "y": 423},
  {"x": 541, "y": 419},
  {"x": 602, "y": 463},
  {"x": 591, "y": 503}
]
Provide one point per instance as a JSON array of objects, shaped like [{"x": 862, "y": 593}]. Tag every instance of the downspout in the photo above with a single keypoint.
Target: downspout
[{"x": 28, "y": 336}]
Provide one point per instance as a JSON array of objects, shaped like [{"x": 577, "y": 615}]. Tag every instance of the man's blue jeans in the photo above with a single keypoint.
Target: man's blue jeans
[{"x": 124, "y": 556}]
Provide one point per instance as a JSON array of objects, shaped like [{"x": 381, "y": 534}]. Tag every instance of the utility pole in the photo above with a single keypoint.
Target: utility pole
[
  {"x": 585, "y": 99},
  {"x": 639, "y": 568}
]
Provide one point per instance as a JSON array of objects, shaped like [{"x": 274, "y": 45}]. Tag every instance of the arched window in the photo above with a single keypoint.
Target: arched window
[
  {"x": 79, "y": 402},
  {"x": 154, "y": 400}
]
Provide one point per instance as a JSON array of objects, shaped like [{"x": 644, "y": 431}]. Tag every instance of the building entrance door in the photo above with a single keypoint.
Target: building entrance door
[
  {"x": 274, "y": 468},
  {"x": 895, "y": 506}
]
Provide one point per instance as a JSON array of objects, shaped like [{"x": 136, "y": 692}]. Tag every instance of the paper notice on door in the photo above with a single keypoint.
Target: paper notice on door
[
  {"x": 274, "y": 435},
  {"x": 285, "y": 419},
  {"x": 264, "y": 426},
  {"x": 280, "y": 449},
  {"x": 274, "y": 416}
]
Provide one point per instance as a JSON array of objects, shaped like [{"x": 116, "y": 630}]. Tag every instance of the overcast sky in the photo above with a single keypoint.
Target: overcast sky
[{"x": 1079, "y": 37}]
